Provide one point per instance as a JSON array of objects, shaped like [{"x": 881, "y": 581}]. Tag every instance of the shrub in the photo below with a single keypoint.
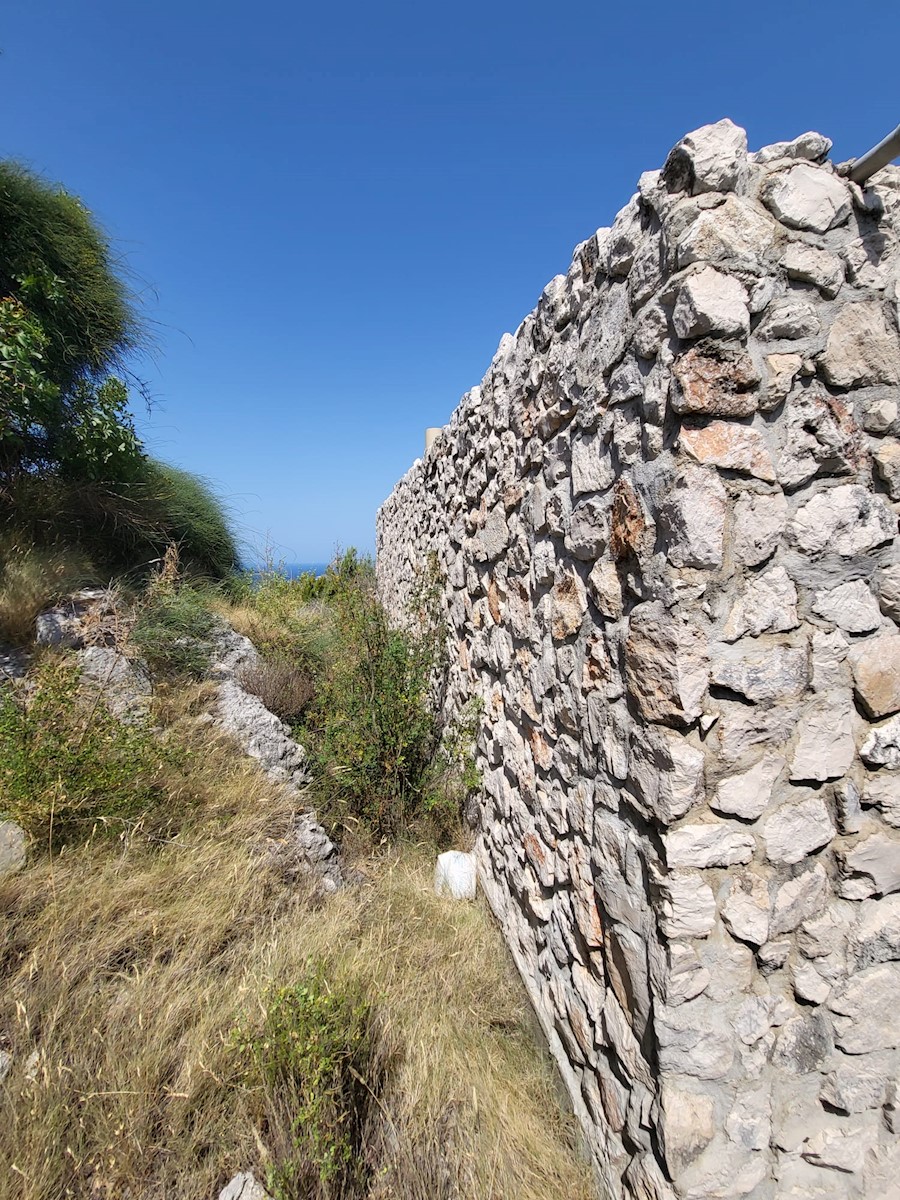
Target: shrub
[
  {"x": 68, "y": 767},
  {"x": 184, "y": 509},
  {"x": 32, "y": 579},
  {"x": 175, "y": 629},
  {"x": 284, "y": 688},
  {"x": 312, "y": 1059},
  {"x": 372, "y": 730}
]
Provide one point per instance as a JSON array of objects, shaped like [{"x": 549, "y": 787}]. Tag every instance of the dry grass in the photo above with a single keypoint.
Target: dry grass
[
  {"x": 126, "y": 967},
  {"x": 285, "y": 689},
  {"x": 31, "y": 580}
]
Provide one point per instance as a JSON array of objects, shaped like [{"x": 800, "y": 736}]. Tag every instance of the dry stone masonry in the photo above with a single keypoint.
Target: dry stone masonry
[{"x": 667, "y": 526}]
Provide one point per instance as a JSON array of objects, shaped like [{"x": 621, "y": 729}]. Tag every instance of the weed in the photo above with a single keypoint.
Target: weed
[
  {"x": 31, "y": 579},
  {"x": 284, "y": 688},
  {"x": 311, "y": 1058},
  {"x": 175, "y": 628},
  {"x": 68, "y": 767}
]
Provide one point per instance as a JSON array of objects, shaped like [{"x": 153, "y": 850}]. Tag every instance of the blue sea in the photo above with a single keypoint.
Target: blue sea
[{"x": 293, "y": 570}]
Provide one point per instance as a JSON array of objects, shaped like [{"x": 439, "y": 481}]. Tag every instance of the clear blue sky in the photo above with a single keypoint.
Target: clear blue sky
[{"x": 333, "y": 211}]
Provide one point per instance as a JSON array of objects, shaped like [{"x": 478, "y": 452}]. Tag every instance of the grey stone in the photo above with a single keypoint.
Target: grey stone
[
  {"x": 887, "y": 466},
  {"x": 781, "y": 371},
  {"x": 857, "y": 1084},
  {"x": 686, "y": 976},
  {"x": 747, "y": 795},
  {"x": 688, "y": 1124},
  {"x": 746, "y": 910},
  {"x": 820, "y": 438},
  {"x": 882, "y": 747},
  {"x": 883, "y": 792},
  {"x": 829, "y": 670},
  {"x": 749, "y": 1123},
  {"x": 871, "y": 867},
  {"x": 809, "y": 986},
  {"x": 757, "y": 1015},
  {"x": 767, "y": 604},
  {"x": 851, "y": 606},
  {"x": 13, "y": 848},
  {"x": 861, "y": 348},
  {"x": 244, "y": 1186},
  {"x": 711, "y": 159},
  {"x": 710, "y": 302},
  {"x": 688, "y": 907},
  {"x": 798, "y": 899},
  {"x": 693, "y": 516},
  {"x": 694, "y": 1039},
  {"x": 123, "y": 684},
  {"x": 666, "y": 666},
  {"x": 825, "y": 746},
  {"x": 761, "y": 674},
  {"x": 759, "y": 522},
  {"x": 875, "y": 938},
  {"x": 865, "y": 1009},
  {"x": 845, "y": 520},
  {"x": 709, "y": 845},
  {"x": 839, "y": 1149},
  {"x": 6, "y": 1062},
  {"x": 734, "y": 234},
  {"x": 797, "y": 829},
  {"x": 807, "y": 197},
  {"x": 803, "y": 1043},
  {"x": 789, "y": 320},
  {"x": 592, "y": 467},
  {"x": 809, "y": 265},
  {"x": 812, "y": 146},
  {"x": 666, "y": 774}
]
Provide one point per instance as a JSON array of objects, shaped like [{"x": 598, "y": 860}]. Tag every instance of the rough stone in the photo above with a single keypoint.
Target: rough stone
[
  {"x": 876, "y": 674},
  {"x": 883, "y": 792},
  {"x": 812, "y": 146},
  {"x": 857, "y": 1084},
  {"x": 244, "y": 1186},
  {"x": 758, "y": 524},
  {"x": 734, "y": 234},
  {"x": 807, "y": 197},
  {"x": 711, "y": 159},
  {"x": 797, "y": 829},
  {"x": 781, "y": 371},
  {"x": 809, "y": 986},
  {"x": 872, "y": 867},
  {"x": 568, "y": 605},
  {"x": 13, "y": 848},
  {"x": 825, "y": 747},
  {"x": 851, "y": 606},
  {"x": 710, "y": 302},
  {"x": 732, "y": 447},
  {"x": 747, "y": 795},
  {"x": 861, "y": 347},
  {"x": 809, "y": 265},
  {"x": 688, "y": 1124},
  {"x": 666, "y": 666},
  {"x": 710, "y": 845},
  {"x": 761, "y": 674},
  {"x": 798, "y": 899},
  {"x": 791, "y": 320},
  {"x": 694, "y": 1039},
  {"x": 694, "y": 518},
  {"x": 688, "y": 907},
  {"x": 749, "y": 1123},
  {"x": 820, "y": 438},
  {"x": 887, "y": 464},
  {"x": 865, "y": 1008},
  {"x": 666, "y": 774},
  {"x": 875, "y": 938},
  {"x": 845, "y": 520},
  {"x": 882, "y": 747},
  {"x": 746, "y": 910},
  {"x": 124, "y": 685},
  {"x": 715, "y": 384},
  {"x": 768, "y": 604}
]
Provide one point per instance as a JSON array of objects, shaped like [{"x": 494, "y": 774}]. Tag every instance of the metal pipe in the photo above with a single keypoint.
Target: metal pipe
[{"x": 879, "y": 156}]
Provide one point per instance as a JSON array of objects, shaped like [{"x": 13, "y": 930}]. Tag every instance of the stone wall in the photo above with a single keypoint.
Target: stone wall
[{"x": 666, "y": 522}]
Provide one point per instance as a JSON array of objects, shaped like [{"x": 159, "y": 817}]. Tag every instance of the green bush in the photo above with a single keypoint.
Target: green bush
[
  {"x": 68, "y": 767},
  {"x": 312, "y": 1061},
  {"x": 58, "y": 263},
  {"x": 184, "y": 509},
  {"x": 175, "y": 630}
]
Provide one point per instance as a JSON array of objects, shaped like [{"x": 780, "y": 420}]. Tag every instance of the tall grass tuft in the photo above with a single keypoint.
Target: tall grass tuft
[{"x": 31, "y": 579}]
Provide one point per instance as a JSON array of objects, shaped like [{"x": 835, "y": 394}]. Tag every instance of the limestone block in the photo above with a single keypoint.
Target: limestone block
[
  {"x": 666, "y": 774},
  {"x": 687, "y": 905},
  {"x": 666, "y": 666},
  {"x": 686, "y": 976},
  {"x": 605, "y": 589},
  {"x": 694, "y": 1039},
  {"x": 723, "y": 1173},
  {"x": 844, "y": 520},
  {"x": 876, "y": 674},
  {"x": 711, "y": 159},
  {"x": 812, "y": 146},
  {"x": 790, "y": 319},
  {"x": 871, "y": 868},
  {"x": 592, "y": 467},
  {"x": 858, "y": 1084},
  {"x": 760, "y": 674},
  {"x": 767, "y": 604},
  {"x": 715, "y": 385},
  {"x": 749, "y": 1123},
  {"x": 825, "y": 747},
  {"x": 798, "y": 899},
  {"x": 807, "y": 197},
  {"x": 809, "y": 265},
  {"x": 808, "y": 984},
  {"x": 729, "y": 446},
  {"x": 746, "y": 910},
  {"x": 875, "y": 938},
  {"x": 708, "y": 845},
  {"x": 710, "y": 302},
  {"x": 747, "y": 795},
  {"x": 13, "y": 848},
  {"x": 688, "y": 1124},
  {"x": 851, "y": 606},
  {"x": 781, "y": 371},
  {"x": 882, "y": 747},
  {"x": 741, "y": 728},
  {"x": 820, "y": 437},
  {"x": 244, "y": 1186},
  {"x": 568, "y": 604},
  {"x": 887, "y": 466},
  {"x": 759, "y": 521},
  {"x": 882, "y": 791},
  {"x": 693, "y": 515},
  {"x": 803, "y": 1043},
  {"x": 735, "y": 234},
  {"x": 861, "y": 348},
  {"x": 865, "y": 1009},
  {"x": 797, "y": 829}
]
